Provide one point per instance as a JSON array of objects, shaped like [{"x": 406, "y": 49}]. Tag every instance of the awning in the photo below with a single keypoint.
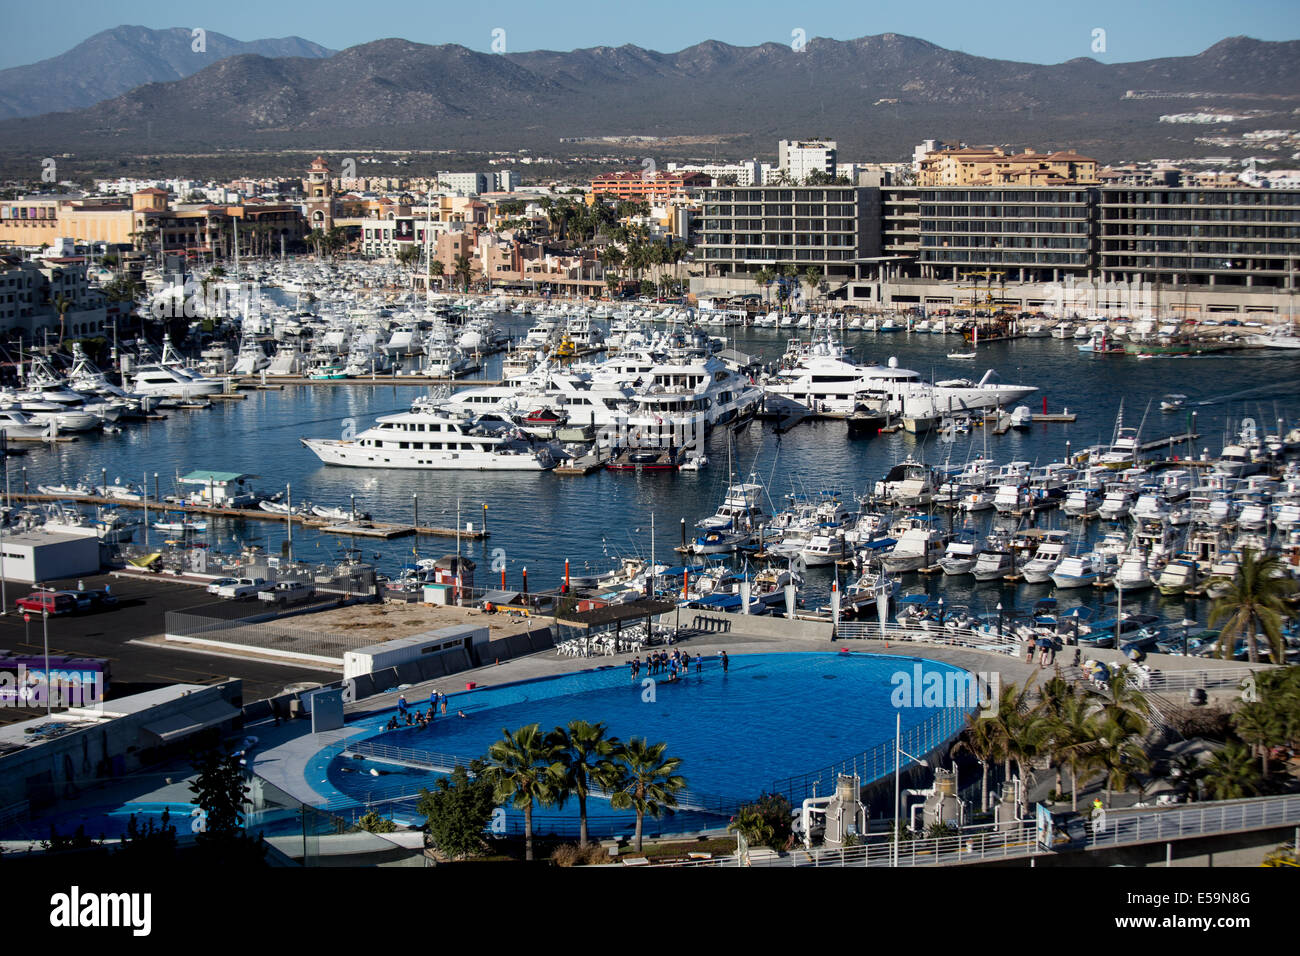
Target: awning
[
  {"x": 179, "y": 726},
  {"x": 145, "y": 561}
]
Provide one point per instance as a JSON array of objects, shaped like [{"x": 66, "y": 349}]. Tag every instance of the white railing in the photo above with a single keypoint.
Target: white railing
[
  {"x": 1111, "y": 829},
  {"x": 1007, "y": 643}
]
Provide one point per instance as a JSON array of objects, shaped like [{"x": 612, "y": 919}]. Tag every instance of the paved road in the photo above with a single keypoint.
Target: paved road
[{"x": 140, "y": 613}]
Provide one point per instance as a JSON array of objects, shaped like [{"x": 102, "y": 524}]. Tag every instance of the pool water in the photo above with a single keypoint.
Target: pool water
[
  {"x": 769, "y": 717},
  {"x": 107, "y": 822}
]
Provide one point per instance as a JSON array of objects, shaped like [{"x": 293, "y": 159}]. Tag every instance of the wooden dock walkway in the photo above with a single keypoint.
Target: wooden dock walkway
[{"x": 371, "y": 529}]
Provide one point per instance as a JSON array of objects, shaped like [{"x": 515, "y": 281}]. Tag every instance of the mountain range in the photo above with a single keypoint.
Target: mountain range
[
  {"x": 877, "y": 95},
  {"x": 118, "y": 60}
]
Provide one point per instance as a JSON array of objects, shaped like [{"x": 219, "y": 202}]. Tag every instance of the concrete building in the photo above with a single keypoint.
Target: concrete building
[
  {"x": 466, "y": 184},
  {"x": 992, "y": 166},
  {"x": 745, "y": 230},
  {"x": 30, "y": 293},
  {"x": 506, "y": 181},
  {"x": 659, "y": 188},
  {"x": 107, "y": 741},
  {"x": 35, "y": 556},
  {"x": 799, "y": 159}
]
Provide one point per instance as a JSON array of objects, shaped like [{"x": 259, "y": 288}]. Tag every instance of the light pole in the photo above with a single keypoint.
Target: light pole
[
  {"x": 999, "y": 620},
  {"x": 45, "y": 624},
  {"x": 1187, "y": 624},
  {"x": 900, "y": 752}
]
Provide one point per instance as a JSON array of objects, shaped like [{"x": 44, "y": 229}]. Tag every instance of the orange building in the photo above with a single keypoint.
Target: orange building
[
  {"x": 992, "y": 166},
  {"x": 657, "y": 188}
]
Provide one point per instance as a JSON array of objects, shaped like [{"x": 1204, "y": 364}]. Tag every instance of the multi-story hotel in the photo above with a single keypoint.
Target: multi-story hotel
[
  {"x": 831, "y": 227},
  {"x": 992, "y": 166},
  {"x": 657, "y": 188}
]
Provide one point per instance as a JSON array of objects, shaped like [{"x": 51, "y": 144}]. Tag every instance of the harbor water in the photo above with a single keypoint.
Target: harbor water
[{"x": 539, "y": 521}]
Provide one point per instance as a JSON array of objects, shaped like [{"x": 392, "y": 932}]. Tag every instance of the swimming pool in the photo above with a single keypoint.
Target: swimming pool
[
  {"x": 109, "y": 822},
  {"x": 785, "y": 722}
]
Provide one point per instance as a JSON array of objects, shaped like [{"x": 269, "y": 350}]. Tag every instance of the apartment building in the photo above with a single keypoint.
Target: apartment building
[
  {"x": 992, "y": 166},
  {"x": 637, "y": 187},
  {"x": 799, "y": 159},
  {"x": 30, "y": 293},
  {"x": 745, "y": 230}
]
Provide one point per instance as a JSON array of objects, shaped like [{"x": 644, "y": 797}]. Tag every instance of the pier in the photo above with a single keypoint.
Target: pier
[{"x": 369, "y": 529}]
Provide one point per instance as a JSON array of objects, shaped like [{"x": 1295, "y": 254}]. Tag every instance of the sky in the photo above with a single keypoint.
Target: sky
[{"x": 1111, "y": 31}]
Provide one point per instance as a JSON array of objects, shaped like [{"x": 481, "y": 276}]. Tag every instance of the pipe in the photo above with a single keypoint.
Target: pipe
[{"x": 811, "y": 805}]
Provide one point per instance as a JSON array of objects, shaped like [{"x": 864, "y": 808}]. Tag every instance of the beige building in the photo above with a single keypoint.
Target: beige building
[{"x": 992, "y": 166}]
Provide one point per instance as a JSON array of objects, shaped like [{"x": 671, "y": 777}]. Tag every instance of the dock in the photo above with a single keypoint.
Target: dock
[
  {"x": 370, "y": 529},
  {"x": 585, "y": 465}
]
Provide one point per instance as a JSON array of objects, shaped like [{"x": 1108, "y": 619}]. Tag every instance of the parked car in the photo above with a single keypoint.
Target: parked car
[
  {"x": 94, "y": 599},
  {"x": 285, "y": 592},
  {"x": 244, "y": 588},
  {"x": 53, "y": 602},
  {"x": 216, "y": 586}
]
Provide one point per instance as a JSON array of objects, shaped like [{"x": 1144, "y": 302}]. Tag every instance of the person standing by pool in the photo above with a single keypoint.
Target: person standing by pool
[
  {"x": 725, "y": 663},
  {"x": 401, "y": 704},
  {"x": 433, "y": 704},
  {"x": 443, "y": 700},
  {"x": 699, "y": 663}
]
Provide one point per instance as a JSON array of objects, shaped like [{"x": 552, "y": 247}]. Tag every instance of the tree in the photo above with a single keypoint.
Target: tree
[
  {"x": 981, "y": 740},
  {"x": 812, "y": 277},
  {"x": 521, "y": 771},
  {"x": 648, "y": 781},
  {"x": 372, "y": 822},
  {"x": 1254, "y": 604},
  {"x": 764, "y": 277},
  {"x": 409, "y": 255},
  {"x": 458, "y": 809},
  {"x": 583, "y": 757},
  {"x": 463, "y": 271},
  {"x": 437, "y": 269},
  {"x": 1125, "y": 705},
  {"x": 1074, "y": 731},
  {"x": 1230, "y": 773},
  {"x": 64, "y": 305},
  {"x": 766, "y": 822},
  {"x": 153, "y": 844},
  {"x": 1119, "y": 754},
  {"x": 220, "y": 792}
]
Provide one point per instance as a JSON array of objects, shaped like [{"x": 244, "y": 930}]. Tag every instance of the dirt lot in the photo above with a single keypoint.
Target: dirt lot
[{"x": 390, "y": 620}]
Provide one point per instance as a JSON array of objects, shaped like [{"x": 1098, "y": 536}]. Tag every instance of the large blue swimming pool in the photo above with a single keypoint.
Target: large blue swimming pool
[{"x": 772, "y": 721}]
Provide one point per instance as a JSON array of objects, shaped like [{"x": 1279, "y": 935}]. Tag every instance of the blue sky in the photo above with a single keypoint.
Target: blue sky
[{"x": 1134, "y": 30}]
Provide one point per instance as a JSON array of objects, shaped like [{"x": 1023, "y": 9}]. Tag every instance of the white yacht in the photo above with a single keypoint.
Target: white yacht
[
  {"x": 1077, "y": 571},
  {"x": 1047, "y": 558},
  {"x": 432, "y": 438}
]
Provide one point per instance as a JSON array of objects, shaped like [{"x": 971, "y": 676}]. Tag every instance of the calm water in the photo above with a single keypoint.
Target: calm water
[
  {"x": 768, "y": 695},
  {"x": 539, "y": 521}
]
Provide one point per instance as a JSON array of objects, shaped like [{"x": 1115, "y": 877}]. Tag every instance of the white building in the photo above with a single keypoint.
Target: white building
[
  {"x": 37, "y": 556},
  {"x": 466, "y": 184},
  {"x": 798, "y": 159},
  {"x": 506, "y": 180}
]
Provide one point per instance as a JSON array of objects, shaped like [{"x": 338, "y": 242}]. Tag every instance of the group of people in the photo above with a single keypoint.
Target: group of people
[
  {"x": 408, "y": 717},
  {"x": 672, "y": 665}
]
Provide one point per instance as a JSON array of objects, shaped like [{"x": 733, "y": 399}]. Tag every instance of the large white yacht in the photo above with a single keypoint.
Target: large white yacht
[
  {"x": 432, "y": 438},
  {"x": 829, "y": 383}
]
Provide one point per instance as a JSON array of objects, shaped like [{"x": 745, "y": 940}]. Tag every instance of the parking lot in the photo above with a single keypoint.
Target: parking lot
[{"x": 142, "y": 604}]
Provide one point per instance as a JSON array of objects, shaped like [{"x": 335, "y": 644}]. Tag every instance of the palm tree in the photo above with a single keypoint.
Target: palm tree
[
  {"x": 1254, "y": 604},
  {"x": 437, "y": 270},
  {"x": 63, "y": 304},
  {"x": 1230, "y": 773},
  {"x": 764, "y": 277},
  {"x": 582, "y": 753},
  {"x": 1074, "y": 732},
  {"x": 1120, "y": 754},
  {"x": 520, "y": 771},
  {"x": 981, "y": 741},
  {"x": 1260, "y": 726},
  {"x": 1124, "y": 704},
  {"x": 463, "y": 271},
  {"x": 812, "y": 277},
  {"x": 646, "y": 781}
]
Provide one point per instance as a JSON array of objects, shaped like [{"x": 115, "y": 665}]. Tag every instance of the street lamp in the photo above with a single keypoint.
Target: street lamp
[
  {"x": 1187, "y": 624},
  {"x": 999, "y": 620},
  {"x": 900, "y": 752},
  {"x": 940, "y": 611}
]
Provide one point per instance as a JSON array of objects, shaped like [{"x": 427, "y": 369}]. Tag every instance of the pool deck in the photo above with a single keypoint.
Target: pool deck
[{"x": 284, "y": 752}]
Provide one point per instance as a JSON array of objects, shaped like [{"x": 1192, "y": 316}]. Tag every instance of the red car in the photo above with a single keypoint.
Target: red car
[{"x": 55, "y": 602}]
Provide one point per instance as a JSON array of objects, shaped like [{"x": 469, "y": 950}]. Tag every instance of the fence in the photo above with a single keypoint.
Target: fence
[
  {"x": 873, "y": 764},
  {"x": 1116, "y": 828},
  {"x": 975, "y": 639}
]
